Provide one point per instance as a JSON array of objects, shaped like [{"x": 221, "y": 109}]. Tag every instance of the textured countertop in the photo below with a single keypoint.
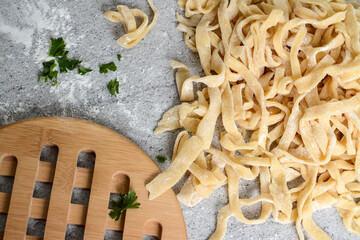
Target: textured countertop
[{"x": 147, "y": 90}]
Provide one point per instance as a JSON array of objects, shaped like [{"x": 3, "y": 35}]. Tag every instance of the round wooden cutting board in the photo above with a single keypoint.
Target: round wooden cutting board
[{"x": 117, "y": 162}]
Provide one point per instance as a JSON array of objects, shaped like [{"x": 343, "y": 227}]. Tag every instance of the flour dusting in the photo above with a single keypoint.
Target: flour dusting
[
  {"x": 18, "y": 35},
  {"x": 33, "y": 26}
]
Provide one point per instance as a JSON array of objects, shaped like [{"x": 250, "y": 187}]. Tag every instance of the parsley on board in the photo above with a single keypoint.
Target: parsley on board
[
  {"x": 83, "y": 71},
  {"x": 108, "y": 66},
  {"x": 119, "y": 57},
  {"x": 161, "y": 159},
  {"x": 113, "y": 87},
  {"x": 126, "y": 201},
  {"x": 49, "y": 73},
  {"x": 57, "y": 48}
]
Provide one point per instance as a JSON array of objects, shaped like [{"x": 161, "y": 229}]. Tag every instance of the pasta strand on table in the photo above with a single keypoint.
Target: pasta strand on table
[{"x": 128, "y": 17}]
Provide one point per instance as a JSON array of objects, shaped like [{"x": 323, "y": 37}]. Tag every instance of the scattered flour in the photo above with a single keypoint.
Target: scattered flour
[
  {"x": 94, "y": 110},
  {"x": 34, "y": 24},
  {"x": 6, "y": 119},
  {"x": 17, "y": 35},
  {"x": 32, "y": 27},
  {"x": 73, "y": 90}
]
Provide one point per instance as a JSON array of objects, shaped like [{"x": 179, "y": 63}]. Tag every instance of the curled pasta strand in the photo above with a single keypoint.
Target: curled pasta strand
[{"x": 127, "y": 17}]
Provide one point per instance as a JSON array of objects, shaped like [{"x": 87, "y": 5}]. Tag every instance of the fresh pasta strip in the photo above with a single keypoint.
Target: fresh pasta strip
[
  {"x": 128, "y": 18},
  {"x": 181, "y": 163},
  {"x": 284, "y": 77}
]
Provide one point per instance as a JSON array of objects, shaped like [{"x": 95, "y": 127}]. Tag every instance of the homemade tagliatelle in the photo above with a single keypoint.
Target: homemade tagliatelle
[
  {"x": 285, "y": 78},
  {"x": 128, "y": 18}
]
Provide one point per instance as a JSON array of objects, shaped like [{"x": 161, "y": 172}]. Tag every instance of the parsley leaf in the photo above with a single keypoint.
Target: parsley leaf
[
  {"x": 48, "y": 73},
  {"x": 83, "y": 71},
  {"x": 126, "y": 201},
  {"x": 109, "y": 66},
  {"x": 67, "y": 64},
  {"x": 161, "y": 159},
  {"x": 113, "y": 87},
  {"x": 57, "y": 48},
  {"x": 119, "y": 57}
]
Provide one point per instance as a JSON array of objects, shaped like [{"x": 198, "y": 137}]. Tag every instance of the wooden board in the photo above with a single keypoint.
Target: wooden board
[{"x": 118, "y": 163}]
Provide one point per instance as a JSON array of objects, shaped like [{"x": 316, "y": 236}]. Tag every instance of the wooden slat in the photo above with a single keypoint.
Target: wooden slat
[
  {"x": 27, "y": 237},
  {"x": 8, "y": 167},
  {"x": 83, "y": 177},
  {"x": 77, "y": 215},
  {"x": 4, "y": 202},
  {"x": 32, "y": 238},
  {"x": 20, "y": 204},
  {"x": 46, "y": 172},
  {"x": 59, "y": 205},
  {"x": 99, "y": 201},
  {"x": 39, "y": 208},
  {"x": 115, "y": 225}
]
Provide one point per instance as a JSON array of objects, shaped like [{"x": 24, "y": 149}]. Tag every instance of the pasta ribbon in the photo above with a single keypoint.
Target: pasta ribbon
[{"x": 128, "y": 18}]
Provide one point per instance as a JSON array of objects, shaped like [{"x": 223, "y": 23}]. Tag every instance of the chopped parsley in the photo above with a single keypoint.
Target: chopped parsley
[
  {"x": 161, "y": 159},
  {"x": 83, "y": 71},
  {"x": 66, "y": 63},
  {"x": 125, "y": 201},
  {"x": 108, "y": 66},
  {"x": 57, "y": 48},
  {"x": 113, "y": 87},
  {"x": 49, "y": 73}
]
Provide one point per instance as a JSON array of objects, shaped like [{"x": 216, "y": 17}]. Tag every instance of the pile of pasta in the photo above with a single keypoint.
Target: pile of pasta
[{"x": 284, "y": 79}]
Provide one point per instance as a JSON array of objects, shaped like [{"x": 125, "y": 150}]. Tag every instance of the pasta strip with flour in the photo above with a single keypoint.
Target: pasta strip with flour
[
  {"x": 284, "y": 76},
  {"x": 128, "y": 18}
]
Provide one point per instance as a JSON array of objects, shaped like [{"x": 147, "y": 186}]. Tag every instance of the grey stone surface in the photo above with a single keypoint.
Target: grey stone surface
[{"x": 147, "y": 90}]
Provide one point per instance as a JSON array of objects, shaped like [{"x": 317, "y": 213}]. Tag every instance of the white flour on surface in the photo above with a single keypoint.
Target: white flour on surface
[
  {"x": 74, "y": 89},
  {"x": 17, "y": 35},
  {"x": 34, "y": 24}
]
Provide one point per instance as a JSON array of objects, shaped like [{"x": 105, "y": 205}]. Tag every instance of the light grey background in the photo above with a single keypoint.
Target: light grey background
[{"x": 147, "y": 90}]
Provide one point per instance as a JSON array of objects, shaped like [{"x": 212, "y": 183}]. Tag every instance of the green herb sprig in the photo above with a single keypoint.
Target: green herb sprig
[
  {"x": 60, "y": 54},
  {"x": 57, "y": 48},
  {"x": 83, "y": 71},
  {"x": 161, "y": 159},
  {"x": 48, "y": 73},
  {"x": 58, "y": 51},
  {"x": 113, "y": 87},
  {"x": 125, "y": 201},
  {"x": 66, "y": 64},
  {"x": 103, "y": 68}
]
